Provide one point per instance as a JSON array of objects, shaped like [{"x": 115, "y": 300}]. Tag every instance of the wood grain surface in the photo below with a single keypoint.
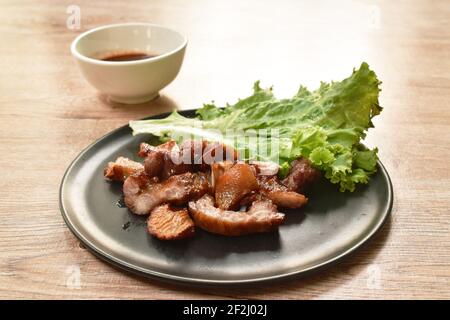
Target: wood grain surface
[{"x": 48, "y": 114}]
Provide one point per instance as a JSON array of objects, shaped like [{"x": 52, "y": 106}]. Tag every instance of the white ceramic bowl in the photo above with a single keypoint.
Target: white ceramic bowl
[{"x": 130, "y": 81}]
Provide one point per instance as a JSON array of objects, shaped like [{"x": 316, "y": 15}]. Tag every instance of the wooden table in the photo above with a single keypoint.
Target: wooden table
[{"x": 48, "y": 114}]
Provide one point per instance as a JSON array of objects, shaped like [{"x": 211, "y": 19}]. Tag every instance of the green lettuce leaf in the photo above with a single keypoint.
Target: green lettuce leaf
[{"x": 325, "y": 126}]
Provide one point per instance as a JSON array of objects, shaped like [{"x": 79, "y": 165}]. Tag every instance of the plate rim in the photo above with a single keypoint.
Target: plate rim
[{"x": 148, "y": 273}]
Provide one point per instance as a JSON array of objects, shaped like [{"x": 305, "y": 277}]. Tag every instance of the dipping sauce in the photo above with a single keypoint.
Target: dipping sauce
[{"x": 132, "y": 56}]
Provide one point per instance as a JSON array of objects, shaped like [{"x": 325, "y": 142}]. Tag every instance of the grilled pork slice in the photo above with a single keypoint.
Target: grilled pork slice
[
  {"x": 218, "y": 169},
  {"x": 121, "y": 169},
  {"x": 271, "y": 188},
  {"x": 205, "y": 153},
  {"x": 234, "y": 184},
  {"x": 164, "y": 160},
  {"x": 170, "y": 159},
  {"x": 265, "y": 168},
  {"x": 287, "y": 199},
  {"x": 161, "y": 165},
  {"x": 262, "y": 216},
  {"x": 301, "y": 174},
  {"x": 145, "y": 148},
  {"x": 154, "y": 163},
  {"x": 168, "y": 223},
  {"x": 143, "y": 194}
]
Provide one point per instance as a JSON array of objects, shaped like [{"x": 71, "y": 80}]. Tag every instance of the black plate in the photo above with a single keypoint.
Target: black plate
[{"x": 332, "y": 225}]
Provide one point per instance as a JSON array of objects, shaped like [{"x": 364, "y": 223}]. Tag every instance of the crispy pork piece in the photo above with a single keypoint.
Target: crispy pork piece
[
  {"x": 121, "y": 169},
  {"x": 145, "y": 148},
  {"x": 181, "y": 189},
  {"x": 154, "y": 163},
  {"x": 271, "y": 188},
  {"x": 265, "y": 168},
  {"x": 262, "y": 216},
  {"x": 143, "y": 194},
  {"x": 164, "y": 160},
  {"x": 217, "y": 152},
  {"x": 200, "y": 154},
  {"x": 301, "y": 174},
  {"x": 203, "y": 151},
  {"x": 271, "y": 183},
  {"x": 287, "y": 199},
  {"x": 234, "y": 184},
  {"x": 171, "y": 169},
  {"x": 170, "y": 159},
  {"x": 169, "y": 223},
  {"x": 218, "y": 169},
  {"x": 191, "y": 152}
]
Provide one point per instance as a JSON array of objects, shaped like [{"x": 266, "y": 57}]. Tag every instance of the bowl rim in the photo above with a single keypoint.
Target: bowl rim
[{"x": 87, "y": 59}]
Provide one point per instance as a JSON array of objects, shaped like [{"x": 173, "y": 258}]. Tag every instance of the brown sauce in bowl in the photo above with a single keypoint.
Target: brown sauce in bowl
[{"x": 131, "y": 56}]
